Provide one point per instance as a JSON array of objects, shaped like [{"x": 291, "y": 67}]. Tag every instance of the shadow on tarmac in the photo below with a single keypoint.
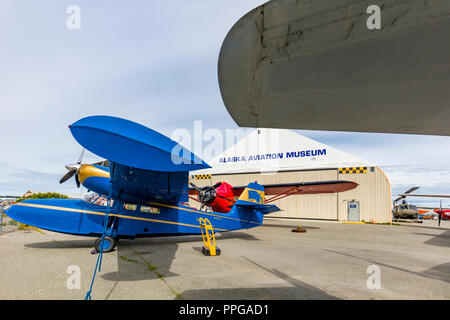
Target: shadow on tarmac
[
  {"x": 142, "y": 258},
  {"x": 440, "y": 272},
  {"x": 441, "y": 228},
  {"x": 301, "y": 291},
  {"x": 297, "y": 290},
  {"x": 151, "y": 258},
  {"x": 58, "y": 244},
  {"x": 293, "y": 226},
  {"x": 442, "y": 240}
]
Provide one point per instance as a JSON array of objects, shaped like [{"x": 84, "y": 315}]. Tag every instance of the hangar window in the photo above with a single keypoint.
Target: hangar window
[
  {"x": 153, "y": 210},
  {"x": 130, "y": 206}
]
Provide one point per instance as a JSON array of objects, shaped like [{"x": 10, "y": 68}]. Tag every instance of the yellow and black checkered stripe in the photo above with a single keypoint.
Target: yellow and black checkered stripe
[
  {"x": 201, "y": 176},
  {"x": 353, "y": 170}
]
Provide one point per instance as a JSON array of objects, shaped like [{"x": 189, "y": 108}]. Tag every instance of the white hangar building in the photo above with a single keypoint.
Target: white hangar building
[{"x": 272, "y": 156}]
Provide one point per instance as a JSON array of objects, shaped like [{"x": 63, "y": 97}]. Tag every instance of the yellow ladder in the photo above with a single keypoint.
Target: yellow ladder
[{"x": 209, "y": 241}]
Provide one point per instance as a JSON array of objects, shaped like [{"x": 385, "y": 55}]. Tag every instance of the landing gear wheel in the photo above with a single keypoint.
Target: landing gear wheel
[{"x": 109, "y": 244}]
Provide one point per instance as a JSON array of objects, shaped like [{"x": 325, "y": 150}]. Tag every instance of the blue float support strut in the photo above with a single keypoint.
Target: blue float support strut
[{"x": 98, "y": 265}]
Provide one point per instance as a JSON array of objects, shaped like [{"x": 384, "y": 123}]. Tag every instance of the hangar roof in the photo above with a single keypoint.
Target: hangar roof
[{"x": 268, "y": 150}]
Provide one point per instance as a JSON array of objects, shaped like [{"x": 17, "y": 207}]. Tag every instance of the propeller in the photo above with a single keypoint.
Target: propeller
[
  {"x": 207, "y": 194},
  {"x": 73, "y": 170},
  {"x": 403, "y": 196}
]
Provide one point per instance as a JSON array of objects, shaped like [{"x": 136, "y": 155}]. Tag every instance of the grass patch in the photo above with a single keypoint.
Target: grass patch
[
  {"x": 128, "y": 259},
  {"x": 27, "y": 227},
  {"x": 381, "y": 223},
  {"x": 153, "y": 269},
  {"x": 22, "y": 226}
]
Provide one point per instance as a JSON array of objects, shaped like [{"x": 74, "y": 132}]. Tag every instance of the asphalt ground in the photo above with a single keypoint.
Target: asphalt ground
[{"x": 331, "y": 260}]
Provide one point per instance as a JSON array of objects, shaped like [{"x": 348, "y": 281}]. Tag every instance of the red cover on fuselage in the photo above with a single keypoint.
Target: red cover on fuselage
[{"x": 224, "y": 198}]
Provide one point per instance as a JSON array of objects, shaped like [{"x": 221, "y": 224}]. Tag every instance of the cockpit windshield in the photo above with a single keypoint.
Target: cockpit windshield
[{"x": 95, "y": 199}]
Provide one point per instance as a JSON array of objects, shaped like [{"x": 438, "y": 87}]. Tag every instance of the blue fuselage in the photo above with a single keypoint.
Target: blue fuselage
[{"x": 155, "y": 219}]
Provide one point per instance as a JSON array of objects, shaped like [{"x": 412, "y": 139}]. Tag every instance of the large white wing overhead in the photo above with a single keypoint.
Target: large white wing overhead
[{"x": 301, "y": 64}]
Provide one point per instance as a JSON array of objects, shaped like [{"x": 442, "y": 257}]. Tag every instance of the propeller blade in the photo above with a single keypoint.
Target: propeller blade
[
  {"x": 67, "y": 176},
  {"x": 77, "y": 180},
  {"x": 81, "y": 156},
  {"x": 194, "y": 186},
  {"x": 216, "y": 185},
  {"x": 411, "y": 190}
]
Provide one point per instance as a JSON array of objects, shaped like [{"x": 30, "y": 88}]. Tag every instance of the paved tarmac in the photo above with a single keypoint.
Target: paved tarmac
[{"x": 329, "y": 261}]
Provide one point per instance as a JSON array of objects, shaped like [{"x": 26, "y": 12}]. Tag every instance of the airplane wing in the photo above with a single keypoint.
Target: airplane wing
[
  {"x": 279, "y": 191},
  {"x": 316, "y": 65},
  {"x": 144, "y": 164},
  {"x": 282, "y": 190}
]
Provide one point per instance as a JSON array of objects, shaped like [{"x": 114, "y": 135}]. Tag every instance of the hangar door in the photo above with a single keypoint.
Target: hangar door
[
  {"x": 312, "y": 206},
  {"x": 353, "y": 211}
]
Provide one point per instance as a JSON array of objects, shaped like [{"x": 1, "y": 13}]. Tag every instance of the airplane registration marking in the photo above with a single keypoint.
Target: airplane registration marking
[
  {"x": 197, "y": 211},
  {"x": 42, "y": 206}
]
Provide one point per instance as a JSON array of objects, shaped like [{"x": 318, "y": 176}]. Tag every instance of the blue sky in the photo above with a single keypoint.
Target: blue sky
[{"x": 154, "y": 62}]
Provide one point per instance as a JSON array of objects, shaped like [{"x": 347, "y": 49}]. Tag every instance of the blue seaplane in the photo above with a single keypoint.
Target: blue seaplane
[{"x": 142, "y": 190}]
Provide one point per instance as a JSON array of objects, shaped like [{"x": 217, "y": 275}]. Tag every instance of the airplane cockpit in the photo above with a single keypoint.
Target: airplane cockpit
[{"x": 95, "y": 199}]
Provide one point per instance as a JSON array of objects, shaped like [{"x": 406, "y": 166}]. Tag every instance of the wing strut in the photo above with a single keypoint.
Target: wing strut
[{"x": 282, "y": 195}]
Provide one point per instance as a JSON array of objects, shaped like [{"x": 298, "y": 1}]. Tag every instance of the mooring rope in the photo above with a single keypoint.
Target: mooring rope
[{"x": 98, "y": 265}]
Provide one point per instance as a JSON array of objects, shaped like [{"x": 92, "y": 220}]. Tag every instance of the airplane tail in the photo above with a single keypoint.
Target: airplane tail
[{"x": 253, "y": 197}]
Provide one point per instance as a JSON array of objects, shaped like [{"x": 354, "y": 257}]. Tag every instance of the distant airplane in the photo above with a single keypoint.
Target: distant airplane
[
  {"x": 405, "y": 210},
  {"x": 444, "y": 213}
]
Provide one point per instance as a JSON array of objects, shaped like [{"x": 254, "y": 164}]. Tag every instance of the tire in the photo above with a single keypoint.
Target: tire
[{"x": 109, "y": 244}]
